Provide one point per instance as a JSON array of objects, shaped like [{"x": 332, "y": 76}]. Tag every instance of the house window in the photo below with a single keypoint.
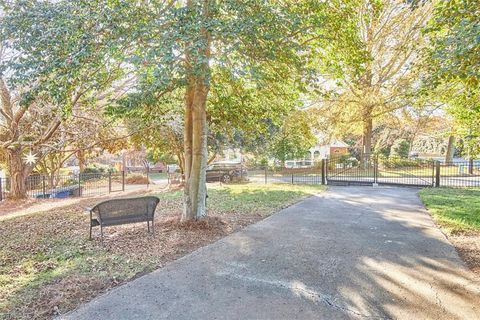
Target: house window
[{"x": 316, "y": 155}]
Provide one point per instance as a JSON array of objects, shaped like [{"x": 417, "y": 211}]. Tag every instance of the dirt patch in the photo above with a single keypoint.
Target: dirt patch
[
  {"x": 127, "y": 252},
  {"x": 468, "y": 248},
  {"x": 10, "y": 208}
]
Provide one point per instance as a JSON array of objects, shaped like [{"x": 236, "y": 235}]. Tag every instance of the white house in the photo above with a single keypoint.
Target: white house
[
  {"x": 325, "y": 148},
  {"x": 323, "y": 151}
]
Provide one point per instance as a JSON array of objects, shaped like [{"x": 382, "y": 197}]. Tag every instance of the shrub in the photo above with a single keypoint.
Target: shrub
[
  {"x": 348, "y": 160},
  {"x": 400, "y": 148},
  {"x": 343, "y": 161},
  {"x": 98, "y": 168},
  {"x": 96, "y": 171},
  {"x": 396, "y": 163}
]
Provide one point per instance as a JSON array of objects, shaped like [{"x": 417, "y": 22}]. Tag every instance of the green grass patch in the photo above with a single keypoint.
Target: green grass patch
[
  {"x": 157, "y": 175},
  {"x": 261, "y": 198},
  {"x": 458, "y": 210}
]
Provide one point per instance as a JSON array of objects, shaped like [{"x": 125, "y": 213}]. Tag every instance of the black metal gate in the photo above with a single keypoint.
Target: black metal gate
[{"x": 369, "y": 170}]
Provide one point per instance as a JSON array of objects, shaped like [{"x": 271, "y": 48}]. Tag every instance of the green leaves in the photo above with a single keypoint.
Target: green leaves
[
  {"x": 455, "y": 34},
  {"x": 454, "y": 65},
  {"x": 294, "y": 138},
  {"x": 60, "y": 47},
  {"x": 256, "y": 67}
]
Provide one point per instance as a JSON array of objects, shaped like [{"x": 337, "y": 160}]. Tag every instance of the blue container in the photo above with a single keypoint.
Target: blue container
[{"x": 61, "y": 194}]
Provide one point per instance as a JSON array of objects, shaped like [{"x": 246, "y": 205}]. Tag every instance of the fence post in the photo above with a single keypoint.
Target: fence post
[
  {"x": 266, "y": 168},
  {"x": 292, "y": 177},
  {"x": 79, "y": 184},
  {"x": 324, "y": 168},
  {"x": 470, "y": 166},
  {"x": 109, "y": 182},
  {"x": 1, "y": 191},
  {"x": 123, "y": 180},
  {"x": 375, "y": 169},
  {"x": 44, "y": 187},
  {"x": 437, "y": 174}
]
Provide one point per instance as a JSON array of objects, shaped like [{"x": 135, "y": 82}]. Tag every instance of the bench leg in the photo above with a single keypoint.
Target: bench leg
[
  {"x": 153, "y": 227},
  {"x": 90, "y": 235},
  {"x": 101, "y": 231}
]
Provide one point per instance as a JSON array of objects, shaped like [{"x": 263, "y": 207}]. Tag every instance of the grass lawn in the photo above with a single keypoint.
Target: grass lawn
[
  {"x": 457, "y": 210},
  {"x": 157, "y": 175},
  {"x": 48, "y": 266}
]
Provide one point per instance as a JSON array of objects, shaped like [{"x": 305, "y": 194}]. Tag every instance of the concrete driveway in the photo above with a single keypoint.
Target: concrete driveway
[{"x": 349, "y": 253}]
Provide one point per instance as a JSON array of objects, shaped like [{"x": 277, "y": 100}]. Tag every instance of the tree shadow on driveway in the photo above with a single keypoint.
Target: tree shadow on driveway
[
  {"x": 364, "y": 252},
  {"x": 349, "y": 253}
]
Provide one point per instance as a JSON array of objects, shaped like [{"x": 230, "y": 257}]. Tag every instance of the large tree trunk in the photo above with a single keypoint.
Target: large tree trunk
[
  {"x": 367, "y": 135},
  {"x": 196, "y": 153},
  {"x": 450, "y": 149},
  {"x": 18, "y": 174},
  {"x": 195, "y": 131}
]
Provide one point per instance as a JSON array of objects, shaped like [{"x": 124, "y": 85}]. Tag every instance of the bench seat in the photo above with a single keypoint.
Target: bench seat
[{"x": 123, "y": 211}]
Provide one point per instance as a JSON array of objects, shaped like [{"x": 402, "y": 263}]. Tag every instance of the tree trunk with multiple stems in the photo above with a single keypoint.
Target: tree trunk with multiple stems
[{"x": 195, "y": 131}]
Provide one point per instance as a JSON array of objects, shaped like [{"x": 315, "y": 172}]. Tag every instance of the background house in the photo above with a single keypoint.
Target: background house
[{"x": 325, "y": 148}]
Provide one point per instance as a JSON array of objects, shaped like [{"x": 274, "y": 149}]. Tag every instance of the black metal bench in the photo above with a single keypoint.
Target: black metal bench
[{"x": 123, "y": 211}]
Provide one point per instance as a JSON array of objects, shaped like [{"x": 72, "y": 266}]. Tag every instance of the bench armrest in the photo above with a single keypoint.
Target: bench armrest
[{"x": 90, "y": 211}]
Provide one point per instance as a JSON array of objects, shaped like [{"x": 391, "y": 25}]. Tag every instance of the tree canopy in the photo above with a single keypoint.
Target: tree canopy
[
  {"x": 187, "y": 78},
  {"x": 454, "y": 66}
]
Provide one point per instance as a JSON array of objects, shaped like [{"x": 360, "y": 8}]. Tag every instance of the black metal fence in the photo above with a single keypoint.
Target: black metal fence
[
  {"x": 381, "y": 170},
  {"x": 401, "y": 171},
  {"x": 365, "y": 170},
  {"x": 369, "y": 170},
  {"x": 76, "y": 185},
  {"x": 458, "y": 173},
  {"x": 280, "y": 174}
]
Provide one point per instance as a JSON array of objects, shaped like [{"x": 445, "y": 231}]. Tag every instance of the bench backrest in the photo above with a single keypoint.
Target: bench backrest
[{"x": 117, "y": 208}]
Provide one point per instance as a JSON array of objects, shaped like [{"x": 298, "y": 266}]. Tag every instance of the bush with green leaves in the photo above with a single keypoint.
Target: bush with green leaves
[
  {"x": 397, "y": 163},
  {"x": 348, "y": 160},
  {"x": 400, "y": 148},
  {"x": 96, "y": 170}
]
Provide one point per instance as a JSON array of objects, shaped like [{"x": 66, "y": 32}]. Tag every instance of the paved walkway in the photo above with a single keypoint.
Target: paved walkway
[{"x": 350, "y": 253}]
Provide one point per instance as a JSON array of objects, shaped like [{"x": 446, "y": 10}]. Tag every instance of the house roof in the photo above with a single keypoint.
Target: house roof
[
  {"x": 324, "y": 140},
  {"x": 338, "y": 144}
]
